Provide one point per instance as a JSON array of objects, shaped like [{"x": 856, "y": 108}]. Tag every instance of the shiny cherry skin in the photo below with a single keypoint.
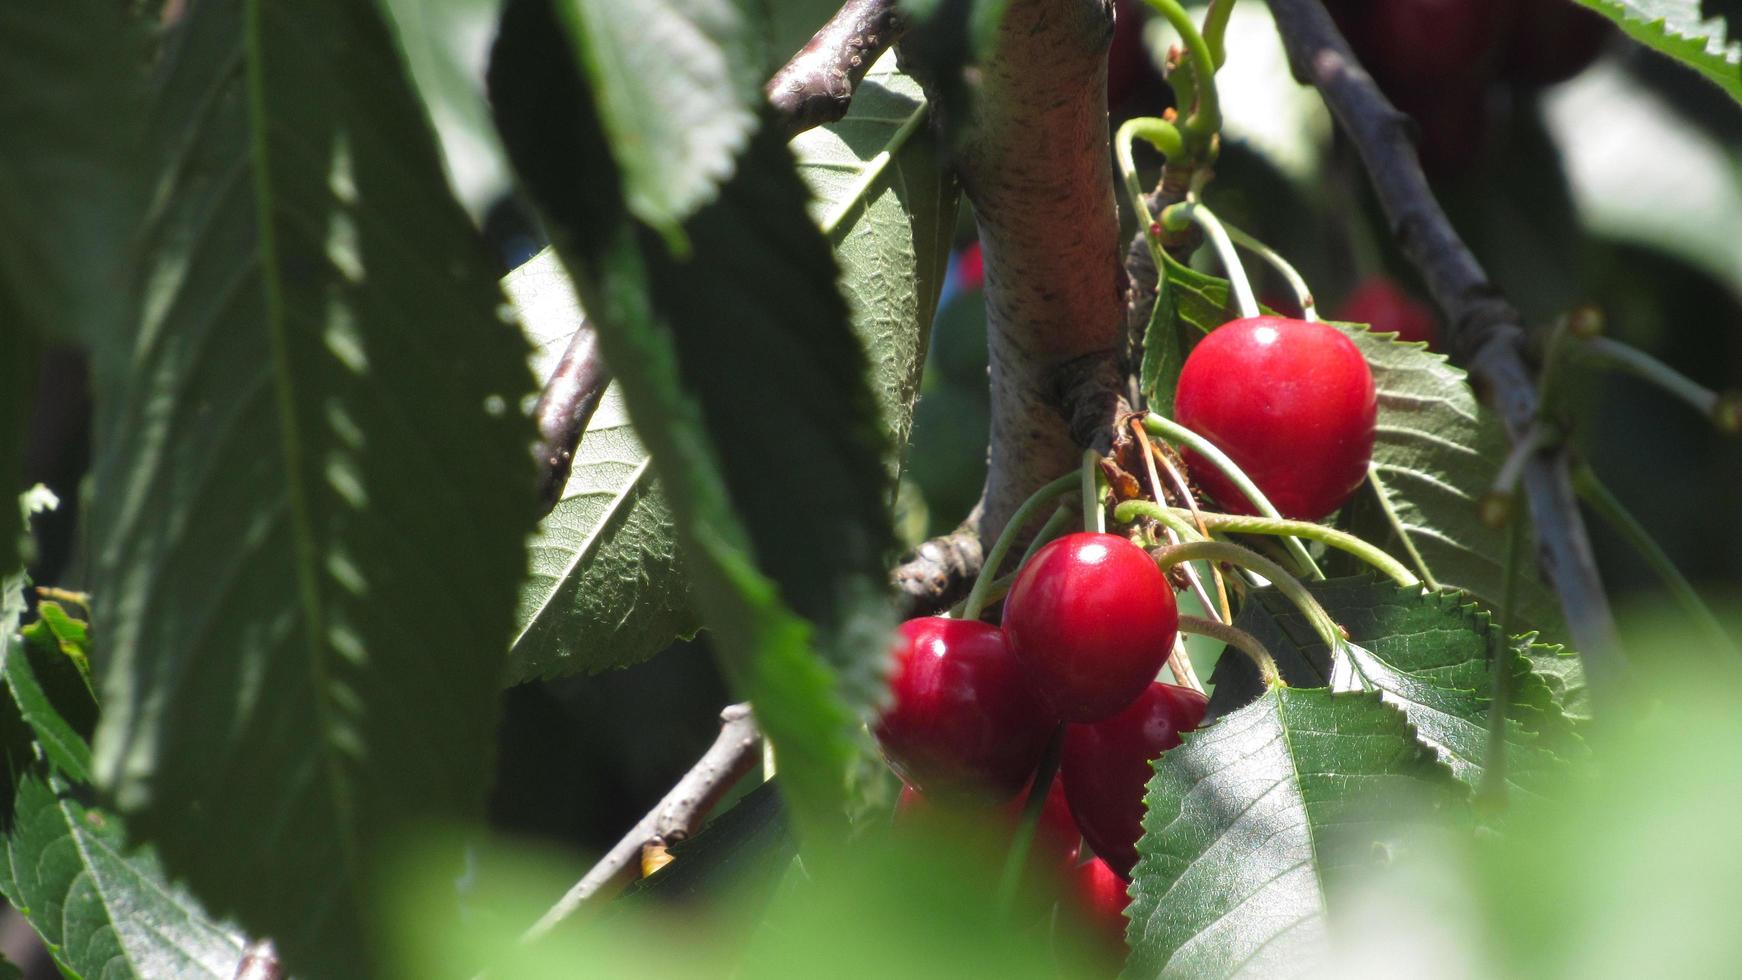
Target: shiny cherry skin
[
  {"x": 1291, "y": 402},
  {"x": 1101, "y": 897},
  {"x": 1092, "y": 619},
  {"x": 1056, "y": 838},
  {"x": 1105, "y": 767},
  {"x": 1383, "y": 305},
  {"x": 961, "y": 716}
]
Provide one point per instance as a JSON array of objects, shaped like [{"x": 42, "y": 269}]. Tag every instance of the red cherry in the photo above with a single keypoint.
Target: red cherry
[
  {"x": 970, "y": 268},
  {"x": 1381, "y": 304},
  {"x": 1427, "y": 43},
  {"x": 1551, "y": 41},
  {"x": 1056, "y": 838},
  {"x": 1092, "y": 619},
  {"x": 961, "y": 716},
  {"x": 1291, "y": 402},
  {"x": 1106, "y": 766},
  {"x": 1101, "y": 899}
]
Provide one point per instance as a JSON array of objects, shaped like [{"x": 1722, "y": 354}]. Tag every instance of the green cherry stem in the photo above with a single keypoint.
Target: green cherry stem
[
  {"x": 1593, "y": 492},
  {"x": 1216, "y": 29},
  {"x": 1240, "y": 524},
  {"x": 1492, "y": 790},
  {"x": 1246, "y": 558},
  {"x": 1055, "y": 525},
  {"x": 1016, "y": 858},
  {"x": 979, "y": 596},
  {"x": 1094, "y": 515},
  {"x": 1723, "y": 408},
  {"x": 1162, "y": 135},
  {"x": 1206, "y": 118},
  {"x": 1169, "y": 429},
  {"x": 1194, "y": 211},
  {"x": 1240, "y": 640},
  {"x": 1296, "y": 283}
]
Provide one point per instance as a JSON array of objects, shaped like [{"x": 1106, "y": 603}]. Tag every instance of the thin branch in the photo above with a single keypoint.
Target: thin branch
[
  {"x": 736, "y": 751},
  {"x": 816, "y": 86},
  {"x": 940, "y": 571},
  {"x": 1483, "y": 329},
  {"x": 570, "y": 398}
]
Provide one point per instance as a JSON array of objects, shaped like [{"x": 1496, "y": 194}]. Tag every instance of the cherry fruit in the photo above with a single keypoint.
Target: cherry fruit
[
  {"x": 961, "y": 717},
  {"x": 1551, "y": 41},
  {"x": 1291, "y": 402},
  {"x": 1105, "y": 767},
  {"x": 1092, "y": 619},
  {"x": 1101, "y": 899},
  {"x": 1381, "y": 304}
]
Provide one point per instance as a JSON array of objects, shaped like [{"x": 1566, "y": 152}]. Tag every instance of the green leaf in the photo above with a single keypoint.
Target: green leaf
[
  {"x": 444, "y": 44},
  {"x": 53, "y": 697},
  {"x": 1186, "y": 298},
  {"x": 1257, "y": 822},
  {"x": 677, "y": 84},
  {"x": 607, "y": 586},
  {"x": 741, "y": 370},
  {"x": 103, "y": 909},
  {"x": 72, "y": 85},
  {"x": 1677, "y": 29},
  {"x": 889, "y": 208},
  {"x": 1426, "y": 655},
  {"x": 1436, "y": 453},
  {"x": 312, "y": 487},
  {"x": 17, "y": 405},
  {"x": 1563, "y": 672}
]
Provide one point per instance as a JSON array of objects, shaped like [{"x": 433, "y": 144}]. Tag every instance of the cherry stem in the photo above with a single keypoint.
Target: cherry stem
[
  {"x": 1216, "y": 29},
  {"x": 1151, "y": 457},
  {"x": 1592, "y": 491},
  {"x": 1094, "y": 515},
  {"x": 1060, "y": 519},
  {"x": 1721, "y": 408},
  {"x": 1241, "y": 524},
  {"x": 1278, "y": 576},
  {"x": 1179, "y": 663},
  {"x": 1206, "y": 118},
  {"x": 978, "y": 597},
  {"x": 1162, "y": 135},
  {"x": 1240, "y": 640},
  {"x": 1169, "y": 429},
  {"x": 1296, "y": 283},
  {"x": 1196, "y": 212},
  {"x": 1016, "y": 859},
  {"x": 1495, "y": 507}
]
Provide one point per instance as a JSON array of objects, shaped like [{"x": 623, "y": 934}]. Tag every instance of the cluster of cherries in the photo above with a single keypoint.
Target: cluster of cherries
[
  {"x": 1441, "y": 60},
  {"x": 1090, "y": 618},
  {"x": 1087, "y": 625}
]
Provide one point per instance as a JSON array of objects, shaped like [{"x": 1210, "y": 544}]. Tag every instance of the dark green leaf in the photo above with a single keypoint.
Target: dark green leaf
[
  {"x": 1563, "y": 672},
  {"x": 676, "y": 84},
  {"x": 890, "y": 219},
  {"x": 1256, "y": 823},
  {"x": 1436, "y": 453},
  {"x": 1187, "y": 299},
  {"x": 313, "y": 485},
  {"x": 53, "y": 696},
  {"x": 607, "y": 586},
  {"x": 17, "y": 401},
  {"x": 103, "y": 910},
  {"x": 1679, "y": 29},
  {"x": 72, "y": 84},
  {"x": 443, "y": 43},
  {"x": 740, "y": 369},
  {"x": 1426, "y": 655}
]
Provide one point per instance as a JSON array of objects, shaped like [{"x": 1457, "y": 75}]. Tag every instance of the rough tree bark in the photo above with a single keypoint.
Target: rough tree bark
[{"x": 1033, "y": 155}]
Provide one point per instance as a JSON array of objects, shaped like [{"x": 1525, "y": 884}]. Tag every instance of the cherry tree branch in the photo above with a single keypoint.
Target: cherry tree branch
[
  {"x": 735, "y": 751},
  {"x": 816, "y": 86},
  {"x": 1484, "y": 330},
  {"x": 568, "y": 402}
]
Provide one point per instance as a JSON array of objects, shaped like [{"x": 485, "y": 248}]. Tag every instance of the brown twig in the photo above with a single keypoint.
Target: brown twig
[
  {"x": 816, "y": 86},
  {"x": 568, "y": 402},
  {"x": 940, "y": 571},
  {"x": 735, "y": 751},
  {"x": 259, "y": 962},
  {"x": 1484, "y": 331}
]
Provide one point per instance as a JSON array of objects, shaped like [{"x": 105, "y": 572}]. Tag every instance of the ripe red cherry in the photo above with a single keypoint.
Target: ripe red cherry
[
  {"x": 1056, "y": 838},
  {"x": 1551, "y": 41},
  {"x": 1101, "y": 899},
  {"x": 1385, "y": 307},
  {"x": 1092, "y": 619},
  {"x": 1425, "y": 43},
  {"x": 1291, "y": 402},
  {"x": 961, "y": 716},
  {"x": 1106, "y": 766}
]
